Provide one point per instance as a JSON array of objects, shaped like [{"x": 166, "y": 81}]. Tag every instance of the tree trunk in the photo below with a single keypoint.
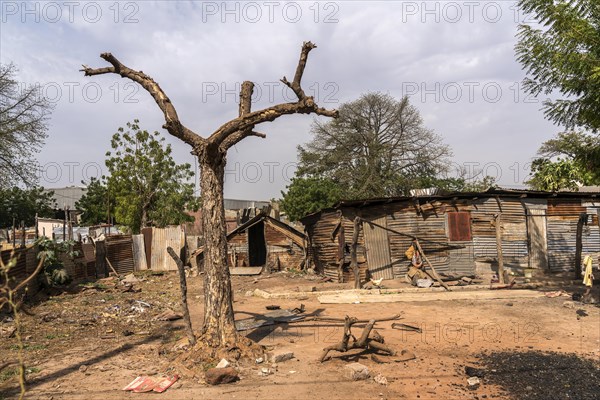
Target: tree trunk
[{"x": 219, "y": 327}]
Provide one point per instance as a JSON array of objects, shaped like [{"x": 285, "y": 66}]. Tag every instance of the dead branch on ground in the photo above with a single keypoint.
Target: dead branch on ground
[{"x": 365, "y": 341}]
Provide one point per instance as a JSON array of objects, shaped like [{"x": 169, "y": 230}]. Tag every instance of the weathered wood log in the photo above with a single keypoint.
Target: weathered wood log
[
  {"x": 184, "y": 305},
  {"x": 364, "y": 342},
  {"x": 353, "y": 248}
]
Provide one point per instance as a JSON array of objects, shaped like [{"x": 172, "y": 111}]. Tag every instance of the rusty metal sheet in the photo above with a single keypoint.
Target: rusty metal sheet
[
  {"x": 378, "y": 249},
  {"x": 119, "y": 251}
]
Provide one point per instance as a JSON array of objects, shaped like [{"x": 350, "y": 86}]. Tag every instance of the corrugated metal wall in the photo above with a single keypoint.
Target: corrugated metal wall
[
  {"x": 514, "y": 231},
  {"x": 428, "y": 221},
  {"x": 119, "y": 251},
  {"x": 172, "y": 236},
  {"x": 378, "y": 249}
]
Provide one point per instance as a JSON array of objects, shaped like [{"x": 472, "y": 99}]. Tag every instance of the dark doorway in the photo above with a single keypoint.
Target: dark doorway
[{"x": 257, "y": 248}]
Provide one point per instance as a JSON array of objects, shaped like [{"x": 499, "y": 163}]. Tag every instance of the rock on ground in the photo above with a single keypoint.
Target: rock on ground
[
  {"x": 281, "y": 356},
  {"x": 218, "y": 376},
  {"x": 356, "y": 371}
]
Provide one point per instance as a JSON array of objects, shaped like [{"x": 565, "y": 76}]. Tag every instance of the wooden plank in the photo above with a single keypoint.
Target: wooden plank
[
  {"x": 245, "y": 270},
  {"x": 352, "y": 298}
]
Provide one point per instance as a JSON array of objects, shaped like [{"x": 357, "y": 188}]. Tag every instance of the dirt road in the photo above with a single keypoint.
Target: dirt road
[{"x": 90, "y": 344}]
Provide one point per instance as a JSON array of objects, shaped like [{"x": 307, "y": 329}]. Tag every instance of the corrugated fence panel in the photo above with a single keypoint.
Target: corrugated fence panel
[
  {"x": 139, "y": 253},
  {"x": 591, "y": 243},
  {"x": 119, "y": 251},
  {"x": 561, "y": 244},
  {"x": 162, "y": 238}
]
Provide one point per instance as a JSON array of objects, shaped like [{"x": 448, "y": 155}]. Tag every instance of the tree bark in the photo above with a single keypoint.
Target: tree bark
[{"x": 219, "y": 325}]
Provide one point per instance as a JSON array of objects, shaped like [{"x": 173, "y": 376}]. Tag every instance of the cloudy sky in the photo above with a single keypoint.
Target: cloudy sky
[{"x": 454, "y": 59}]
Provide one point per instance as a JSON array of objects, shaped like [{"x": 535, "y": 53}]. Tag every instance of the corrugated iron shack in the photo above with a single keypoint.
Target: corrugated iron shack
[
  {"x": 263, "y": 241},
  {"x": 458, "y": 233}
]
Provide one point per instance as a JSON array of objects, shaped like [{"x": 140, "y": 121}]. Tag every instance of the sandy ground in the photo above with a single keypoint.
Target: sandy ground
[{"x": 89, "y": 345}]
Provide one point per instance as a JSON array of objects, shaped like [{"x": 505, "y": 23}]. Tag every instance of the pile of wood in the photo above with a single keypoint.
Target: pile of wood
[{"x": 369, "y": 340}]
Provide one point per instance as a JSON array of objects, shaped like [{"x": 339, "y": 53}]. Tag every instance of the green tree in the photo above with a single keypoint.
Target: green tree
[
  {"x": 24, "y": 115},
  {"x": 562, "y": 54},
  {"x": 95, "y": 203},
  {"x": 146, "y": 183},
  {"x": 306, "y": 195},
  {"x": 566, "y": 161},
  {"x": 554, "y": 175},
  {"x": 377, "y": 147},
  {"x": 23, "y": 204}
]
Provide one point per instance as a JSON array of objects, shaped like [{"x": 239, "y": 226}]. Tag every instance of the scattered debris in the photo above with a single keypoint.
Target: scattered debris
[
  {"x": 569, "y": 304},
  {"x": 140, "y": 306},
  {"x": 405, "y": 355},
  {"x": 424, "y": 283},
  {"x": 471, "y": 371},
  {"x": 260, "y": 360},
  {"x": 219, "y": 376},
  {"x": 581, "y": 313},
  {"x": 264, "y": 372},
  {"x": 270, "y": 318},
  {"x": 557, "y": 293},
  {"x": 281, "y": 356},
  {"x": 378, "y": 360},
  {"x": 405, "y": 327},
  {"x": 7, "y": 331},
  {"x": 143, "y": 384},
  {"x": 473, "y": 382},
  {"x": 273, "y": 307},
  {"x": 223, "y": 363},
  {"x": 168, "y": 315},
  {"x": 382, "y": 380},
  {"x": 356, "y": 371}
]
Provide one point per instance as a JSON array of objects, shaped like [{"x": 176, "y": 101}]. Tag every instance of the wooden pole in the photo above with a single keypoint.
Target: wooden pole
[
  {"x": 435, "y": 274},
  {"x": 65, "y": 223},
  {"x": 498, "y": 222},
  {"x": 353, "y": 256},
  {"x": 579, "y": 244},
  {"x": 23, "y": 232},
  {"x": 184, "y": 305}
]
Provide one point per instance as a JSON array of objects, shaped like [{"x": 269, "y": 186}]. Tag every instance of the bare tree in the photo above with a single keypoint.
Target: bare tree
[
  {"x": 24, "y": 114},
  {"x": 218, "y": 328}
]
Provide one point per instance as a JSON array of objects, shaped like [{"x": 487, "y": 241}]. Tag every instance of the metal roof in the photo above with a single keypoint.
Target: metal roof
[{"x": 491, "y": 192}]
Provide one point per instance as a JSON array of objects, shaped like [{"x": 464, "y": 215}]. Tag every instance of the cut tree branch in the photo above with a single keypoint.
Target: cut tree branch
[
  {"x": 172, "y": 123},
  {"x": 184, "y": 305},
  {"x": 237, "y": 129},
  {"x": 366, "y": 340}
]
